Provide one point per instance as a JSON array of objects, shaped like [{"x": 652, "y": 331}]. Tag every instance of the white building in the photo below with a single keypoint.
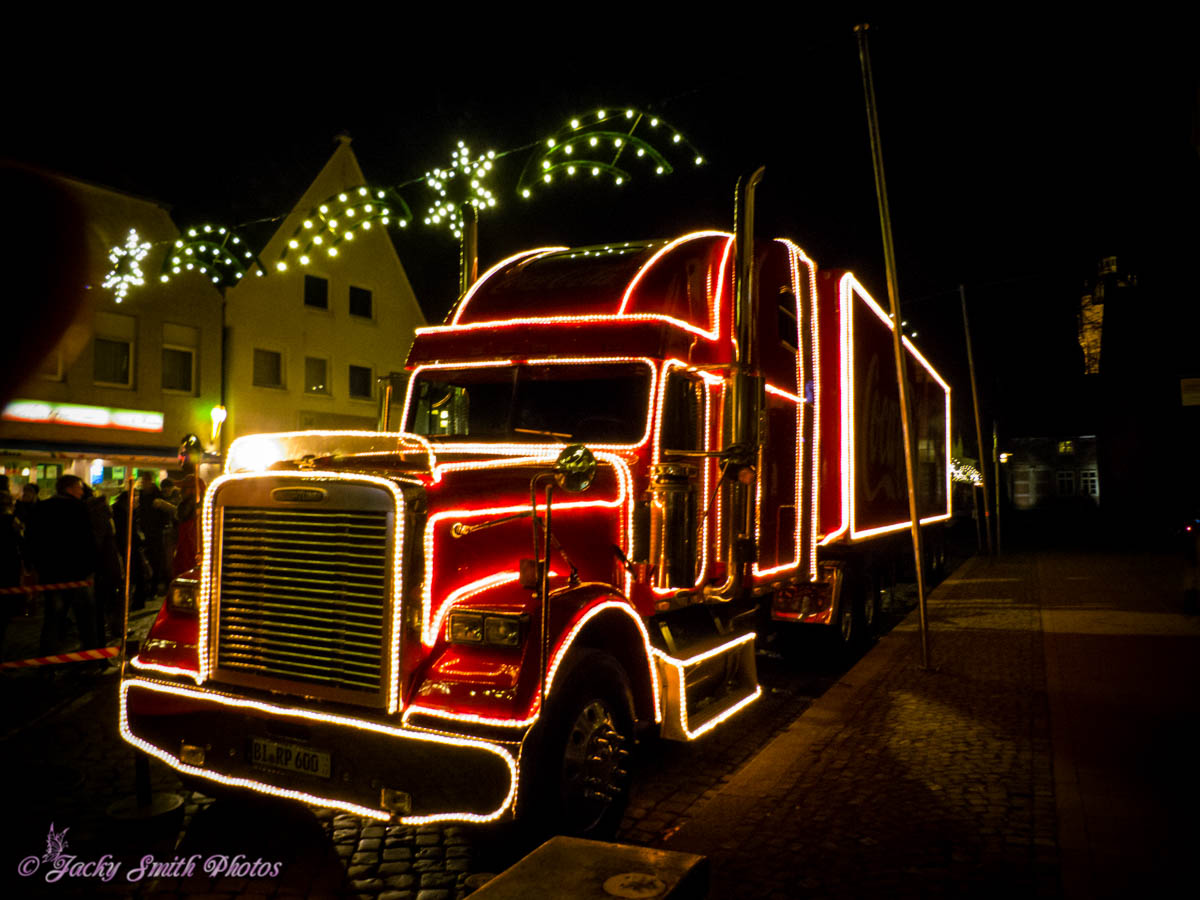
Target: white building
[{"x": 306, "y": 345}]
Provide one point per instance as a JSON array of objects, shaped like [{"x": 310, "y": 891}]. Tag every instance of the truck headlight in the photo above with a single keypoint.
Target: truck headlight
[
  {"x": 504, "y": 631},
  {"x": 496, "y": 629},
  {"x": 466, "y": 628},
  {"x": 183, "y": 595}
]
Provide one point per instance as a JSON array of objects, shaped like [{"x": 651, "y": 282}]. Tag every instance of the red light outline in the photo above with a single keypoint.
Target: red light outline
[
  {"x": 451, "y": 447},
  {"x": 712, "y": 334},
  {"x": 848, "y": 288},
  {"x": 540, "y": 251},
  {"x": 549, "y": 454},
  {"x": 208, "y": 695},
  {"x": 680, "y": 664}
]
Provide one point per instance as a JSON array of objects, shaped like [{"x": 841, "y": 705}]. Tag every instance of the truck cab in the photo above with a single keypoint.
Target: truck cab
[{"x": 611, "y": 463}]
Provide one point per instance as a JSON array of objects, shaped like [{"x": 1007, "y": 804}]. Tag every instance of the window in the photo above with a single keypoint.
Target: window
[
  {"x": 316, "y": 292},
  {"x": 1088, "y": 483},
  {"x": 603, "y": 403},
  {"x": 113, "y": 362},
  {"x": 361, "y": 382},
  {"x": 178, "y": 369},
  {"x": 112, "y": 359},
  {"x": 360, "y": 302},
  {"x": 179, "y": 357},
  {"x": 1065, "y": 447},
  {"x": 1065, "y": 481},
  {"x": 316, "y": 379},
  {"x": 268, "y": 368}
]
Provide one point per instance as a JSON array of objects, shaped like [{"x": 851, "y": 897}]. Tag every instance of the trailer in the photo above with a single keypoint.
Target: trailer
[{"x": 611, "y": 465}]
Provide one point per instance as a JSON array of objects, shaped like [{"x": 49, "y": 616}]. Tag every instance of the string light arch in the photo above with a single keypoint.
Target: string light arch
[
  {"x": 338, "y": 218},
  {"x": 607, "y": 143},
  {"x": 219, "y": 253},
  {"x": 614, "y": 145}
]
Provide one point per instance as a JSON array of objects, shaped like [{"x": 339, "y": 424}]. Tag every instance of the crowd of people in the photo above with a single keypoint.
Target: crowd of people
[{"x": 72, "y": 546}]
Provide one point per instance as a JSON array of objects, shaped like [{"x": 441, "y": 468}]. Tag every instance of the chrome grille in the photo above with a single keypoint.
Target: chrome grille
[{"x": 303, "y": 595}]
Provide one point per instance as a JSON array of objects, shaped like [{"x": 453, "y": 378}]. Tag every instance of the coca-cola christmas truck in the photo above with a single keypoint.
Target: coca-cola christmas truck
[{"x": 615, "y": 463}]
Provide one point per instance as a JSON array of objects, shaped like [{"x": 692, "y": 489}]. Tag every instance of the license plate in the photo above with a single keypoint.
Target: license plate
[{"x": 289, "y": 757}]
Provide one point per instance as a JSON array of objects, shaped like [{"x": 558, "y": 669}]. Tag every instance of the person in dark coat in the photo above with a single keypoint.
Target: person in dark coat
[
  {"x": 191, "y": 489},
  {"x": 27, "y": 505},
  {"x": 154, "y": 512},
  {"x": 64, "y": 551},
  {"x": 142, "y": 576},
  {"x": 108, "y": 563},
  {"x": 10, "y": 564}
]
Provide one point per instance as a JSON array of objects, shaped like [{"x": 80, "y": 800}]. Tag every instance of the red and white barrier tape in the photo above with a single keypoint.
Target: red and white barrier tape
[
  {"x": 73, "y": 656},
  {"x": 32, "y": 588}
]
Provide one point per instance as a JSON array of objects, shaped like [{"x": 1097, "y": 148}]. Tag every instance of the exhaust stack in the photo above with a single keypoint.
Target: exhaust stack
[{"x": 743, "y": 446}]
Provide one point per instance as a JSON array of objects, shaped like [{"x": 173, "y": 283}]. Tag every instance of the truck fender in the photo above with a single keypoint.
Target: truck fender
[{"x": 611, "y": 625}]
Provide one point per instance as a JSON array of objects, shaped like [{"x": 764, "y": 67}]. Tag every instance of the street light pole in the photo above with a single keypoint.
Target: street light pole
[
  {"x": 468, "y": 264},
  {"x": 889, "y": 259},
  {"x": 987, "y": 510},
  {"x": 996, "y": 469}
]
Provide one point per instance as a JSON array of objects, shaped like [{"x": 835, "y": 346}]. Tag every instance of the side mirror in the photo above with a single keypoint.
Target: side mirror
[{"x": 575, "y": 468}]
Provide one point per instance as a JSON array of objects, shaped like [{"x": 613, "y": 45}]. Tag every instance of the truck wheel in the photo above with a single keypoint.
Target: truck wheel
[
  {"x": 870, "y": 603},
  {"x": 583, "y": 783},
  {"x": 936, "y": 569},
  {"x": 846, "y": 626}
]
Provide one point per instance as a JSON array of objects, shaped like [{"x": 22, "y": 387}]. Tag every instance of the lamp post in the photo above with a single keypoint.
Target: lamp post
[{"x": 889, "y": 259}]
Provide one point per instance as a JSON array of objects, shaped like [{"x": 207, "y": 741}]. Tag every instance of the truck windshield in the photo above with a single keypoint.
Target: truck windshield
[{"x": 603, "y": 403}]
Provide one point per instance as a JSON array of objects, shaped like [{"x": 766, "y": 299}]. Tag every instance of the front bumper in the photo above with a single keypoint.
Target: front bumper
[{"x": 439, "y": 777}]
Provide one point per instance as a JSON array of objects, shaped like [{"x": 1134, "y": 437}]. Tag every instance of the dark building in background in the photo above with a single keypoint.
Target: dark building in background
[
  {"x": 1127, "y": 359},
  {"x": 1044, "y": 472},
  {"x": 1109, "y": 279}
]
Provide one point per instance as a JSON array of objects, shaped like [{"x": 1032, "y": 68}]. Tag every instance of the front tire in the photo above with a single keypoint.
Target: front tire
[
  {"x": 579, "y": 784},
  {"x": 847, "y": 624},
  {"x": 870, "y": 603}
]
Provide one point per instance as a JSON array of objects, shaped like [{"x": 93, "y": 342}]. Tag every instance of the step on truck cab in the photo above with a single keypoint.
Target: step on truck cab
[{"x": 608, "y": 467}]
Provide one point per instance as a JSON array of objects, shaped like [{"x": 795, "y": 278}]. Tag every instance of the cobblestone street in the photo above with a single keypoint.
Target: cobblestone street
[
  {"x": 74, "y": 767},
  {"x": 1042, "y": 755}
]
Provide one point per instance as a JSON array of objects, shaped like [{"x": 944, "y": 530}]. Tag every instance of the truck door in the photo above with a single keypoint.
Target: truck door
[
  {"x": 785, "y": 472},
  {"x": 679, "y": 528}
]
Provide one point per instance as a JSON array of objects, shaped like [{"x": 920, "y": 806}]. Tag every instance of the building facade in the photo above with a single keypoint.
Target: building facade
[
  {"x": 307, "y": 344},
  {"x": 129, "y": 378},
  {"x": 1044, "y": 471}
]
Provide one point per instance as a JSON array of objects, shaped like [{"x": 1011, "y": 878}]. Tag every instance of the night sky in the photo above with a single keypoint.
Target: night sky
[{"x": 1018, "y": 152}]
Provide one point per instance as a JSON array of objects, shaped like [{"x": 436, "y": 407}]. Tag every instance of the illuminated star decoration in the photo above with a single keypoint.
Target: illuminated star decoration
[
  {"x": 213, "y": 251},
  {"x": 459, "y": 185},
  {"x": 338, "y": 218},
  {"x": 126, "y": 270},
  {"x": 603, "y": 144}
]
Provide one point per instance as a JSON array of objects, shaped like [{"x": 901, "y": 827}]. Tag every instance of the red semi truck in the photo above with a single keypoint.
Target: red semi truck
[{"x": 614, "y": 463}]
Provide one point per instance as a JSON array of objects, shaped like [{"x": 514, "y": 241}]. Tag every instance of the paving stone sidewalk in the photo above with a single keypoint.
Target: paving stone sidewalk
[{"x": 905, "y": 782}]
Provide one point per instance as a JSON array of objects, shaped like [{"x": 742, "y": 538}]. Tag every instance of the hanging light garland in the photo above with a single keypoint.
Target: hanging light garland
[
  {"x": 214, "y": 251},
  {"x": 126, "y": 261},
  {"x": 607, "y": 144},
  {"x": 338, "y": 218},
  {"x": 964, "y": 473}
]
